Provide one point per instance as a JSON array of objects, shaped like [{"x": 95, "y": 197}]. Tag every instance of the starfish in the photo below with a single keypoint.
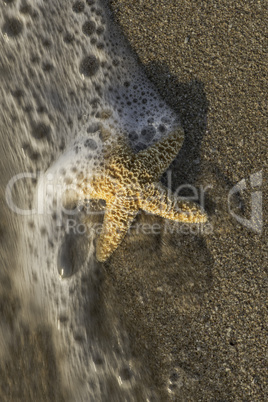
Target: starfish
[{"x": 129, "y": 182}]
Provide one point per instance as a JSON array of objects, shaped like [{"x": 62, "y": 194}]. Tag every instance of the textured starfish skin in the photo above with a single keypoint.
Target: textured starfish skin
[{"x": 129, "y": 182}]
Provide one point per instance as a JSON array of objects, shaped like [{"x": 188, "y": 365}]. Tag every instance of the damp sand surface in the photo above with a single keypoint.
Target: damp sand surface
[
  {"x": 192, "y": 303},
  {"x": 195, "y": 305}
]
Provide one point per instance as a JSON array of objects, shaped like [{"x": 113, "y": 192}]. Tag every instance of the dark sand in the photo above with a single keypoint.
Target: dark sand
[
  {"x": 196, "y": 312},
  {"x": 194, "y": 306}
]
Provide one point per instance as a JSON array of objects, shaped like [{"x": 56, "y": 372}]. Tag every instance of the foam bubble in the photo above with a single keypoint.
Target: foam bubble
[
  {"x": 13, "y": 27},
  {"x": 41, "y": 131},
  {"x": 98, "y": 360},
  {"x": 78, "y": 7},
  {"x": 89, "y": 27},
  {"x": 161, "y": 128},
  {"x": 91, "y": 144},
  {"x": 148, "y": 133},
  {"x": 125, "y": 374},
  {"x": 47, "y": 66},
  {"x": 26, "y": 9},
  {"x": 66, "y": 257},
  {"x": 133, "y": 136},
  {"x": 100, "y": 30},
  {"x": 68, "y": 38},
  {"x": 89, "y": 65}
]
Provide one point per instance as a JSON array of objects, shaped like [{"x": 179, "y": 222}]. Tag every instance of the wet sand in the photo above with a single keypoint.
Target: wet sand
[{"x": 195, "y": 305}]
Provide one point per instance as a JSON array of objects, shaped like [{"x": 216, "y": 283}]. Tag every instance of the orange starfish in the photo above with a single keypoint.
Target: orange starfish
[{"x": 130, "y": 182}]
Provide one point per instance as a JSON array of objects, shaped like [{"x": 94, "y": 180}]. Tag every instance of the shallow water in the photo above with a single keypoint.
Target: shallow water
[{"x": 65, "y": 70}]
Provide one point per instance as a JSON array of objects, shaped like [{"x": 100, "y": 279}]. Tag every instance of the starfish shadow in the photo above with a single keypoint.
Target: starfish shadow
[
  {"x": 161, "y": 271},
  {"x": 189, "y": 102}
]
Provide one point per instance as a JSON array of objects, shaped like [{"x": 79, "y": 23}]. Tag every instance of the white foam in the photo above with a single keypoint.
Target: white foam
[{"x": 67, "y": 101}]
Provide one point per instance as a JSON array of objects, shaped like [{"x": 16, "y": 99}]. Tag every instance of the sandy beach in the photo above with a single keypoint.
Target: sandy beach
[
  {"x": 191, "y": 301},
  {"x": 202, "y": 322}
]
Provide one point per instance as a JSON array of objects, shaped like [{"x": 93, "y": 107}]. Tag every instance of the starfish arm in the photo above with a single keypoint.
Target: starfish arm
[
  {"x": 159, "y": 156},
  {"x": 157, "y": 200},
  {"x": 90, "y": 187},
  {"x": 117, "y": 220}
]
